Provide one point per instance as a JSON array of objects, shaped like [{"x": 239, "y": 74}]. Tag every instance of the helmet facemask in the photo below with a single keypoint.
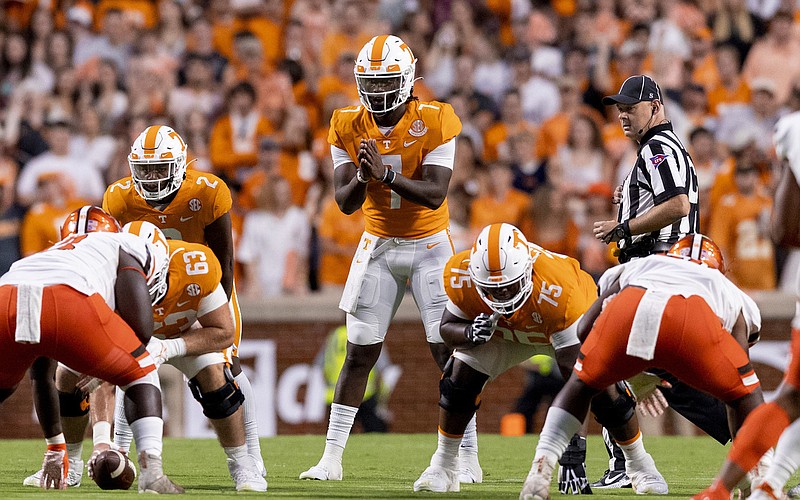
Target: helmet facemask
[
  {"x": 507, "y": 297},
  {"x": 154, "y": 180}
]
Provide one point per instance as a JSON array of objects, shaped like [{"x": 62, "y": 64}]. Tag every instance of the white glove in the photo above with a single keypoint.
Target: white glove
[
  {"x": 158, "y": 350},
  {"x": 88, "y": 384},
  {"x": 481, "y": 329}
]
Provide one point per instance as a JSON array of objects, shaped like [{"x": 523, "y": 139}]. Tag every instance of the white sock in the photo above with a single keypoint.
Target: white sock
[
  {"x": 339, "y": 427},
  {"x": 57, "y": 439},
  {"x": 558, "y": 429},
  {"x": 469, "y": 442},
  {"x": 122, "y": 431},
  {"x": 250, "y": 424},
  {"x": 75, "y": 450},
  {"x": 148, "y": 433},
  {"x": 236, "y": 453},
  {"x": 786, "y": 459},
  {"x": 446, "y": 454},
  {"x": 636, "y": 457},
  {"x": 101, "y": 432}
]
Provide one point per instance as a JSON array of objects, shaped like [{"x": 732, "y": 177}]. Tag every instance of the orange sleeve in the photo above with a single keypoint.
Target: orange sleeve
[
  {"x": 34, "y": 236},
  {"x": 723, "y": 225},
  {"x": 450, "y": 123}
]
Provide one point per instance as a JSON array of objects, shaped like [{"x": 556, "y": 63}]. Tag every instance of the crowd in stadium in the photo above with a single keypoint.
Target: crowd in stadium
[{"x": 251, "y": 85}]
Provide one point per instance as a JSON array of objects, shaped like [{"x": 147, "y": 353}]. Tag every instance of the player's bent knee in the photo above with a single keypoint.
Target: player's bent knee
[
  {"x": 614, "y": 412},
  {"x": 73, "y": 404},
  {"x": 150, "y": 378},
  {"x": 219, "y": 403},
  {"x": 455, "y": 398}
]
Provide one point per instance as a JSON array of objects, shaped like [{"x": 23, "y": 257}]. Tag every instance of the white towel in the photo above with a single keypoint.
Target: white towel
[
  {"x": 29, "y": 314},
  {"x": 644, "y": 331},
  {"x": 358, "y": 268}
]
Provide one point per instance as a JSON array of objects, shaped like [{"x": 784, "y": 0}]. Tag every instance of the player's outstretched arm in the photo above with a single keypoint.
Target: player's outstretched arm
[
  {"x": 133, "y": 297},
  {"x": 216, "y": 332}
]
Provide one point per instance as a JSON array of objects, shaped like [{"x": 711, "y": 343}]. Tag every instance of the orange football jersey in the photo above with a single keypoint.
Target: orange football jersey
[
  {"x": 424, "y": 127},
  {"x": 201, "y": 199},
  {"x": 42, "y": 225},
  {"x": 562, "y": 292},
  {"x": 194, "y": 272}
]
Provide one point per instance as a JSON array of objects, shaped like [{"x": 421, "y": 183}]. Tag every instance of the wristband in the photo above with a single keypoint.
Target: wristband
[
  {"x": 627, "y": 228},
  {"x": 360, "y": 179},
  {"x": 389, "y": 176}
]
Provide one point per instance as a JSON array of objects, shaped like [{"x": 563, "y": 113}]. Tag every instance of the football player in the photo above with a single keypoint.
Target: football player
[
  {"x": 190, "y": 206},
  {"x": 507, "y": 301},
  {"x": 776, "y": 421},
  {"x": 61, "y": 302},
  {"x": 393, "y": 158},
  {"x": 677, "y": 312}
]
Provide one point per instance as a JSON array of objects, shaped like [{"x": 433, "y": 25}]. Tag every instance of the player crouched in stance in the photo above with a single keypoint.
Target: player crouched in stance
[
  {"x": 60, "y": 304},
  {"x": 677, "y": 312},
  {"x": 192, "y": 315},
  {"x": 507, "y": 301}
]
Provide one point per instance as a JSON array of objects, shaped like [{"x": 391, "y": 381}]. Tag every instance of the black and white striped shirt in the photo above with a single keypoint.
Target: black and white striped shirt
[{"x": 663, "y": 170}]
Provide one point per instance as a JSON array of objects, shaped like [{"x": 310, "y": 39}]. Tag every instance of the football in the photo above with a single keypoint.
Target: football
[{"x": 112, "y": 470}]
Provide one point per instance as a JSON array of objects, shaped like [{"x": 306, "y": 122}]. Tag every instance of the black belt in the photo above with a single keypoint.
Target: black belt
[{"x": 642, "y": 248}]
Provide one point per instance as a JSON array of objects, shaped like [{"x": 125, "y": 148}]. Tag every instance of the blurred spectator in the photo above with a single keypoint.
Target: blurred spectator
[
  {"x": 758, "y": 118},
  {"x": 274, "y": 243},
  {"x": 538, "y": 95},
  {"x": 267, "y": 168},
  {"x": 348, "y": 30},
  {"x": 339, "y": 235},
  {"x": 731, "y": 88},
  {"x": 774, "y": 57},
  {"x": 113, "y": 42},
  {"x": 198, "y": 92},
  {"x": 41, "y": 225},
  {"x": 110, "y": 97},
  {"x": 91, "y": 145},
  {"x": 708, "y": 164},
  {"x": 440, "y": 61},
  {"x": 200, "y": 42},
  {"x": 596, "y": 257},
  {"x": 529, "y": 170},
  {"x": 171, "y": 27},
  {"x": 549, "y": 223},
  {"x": 732, "y": 23},
  {"x": 58, "y": 50},
  {"x": 511, "y": 122},
  {"x": 18, "y": 70},
  {"x": 339, "y": 81},
  {"x": 11, "y": 214},
  {"x": 235, "y": 136},
  {"x": 86, "y": 180},
  {"x": 580, "y": 162},
  {"x": 740, "y": 228},
  {"x": 492, "y": 74},
  {"x": 497, "y": 200}
]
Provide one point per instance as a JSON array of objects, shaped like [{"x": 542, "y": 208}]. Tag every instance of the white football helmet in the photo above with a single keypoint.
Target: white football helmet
[
  {"x": 158, "y": 162},
  {"x": 159, "y": 256},
  {"x": 385, "y": 73},
  {"x": 500, "y": 266}
]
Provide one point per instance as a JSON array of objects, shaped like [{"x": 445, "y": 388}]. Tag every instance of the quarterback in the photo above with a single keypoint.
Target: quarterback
[
  {"x": 393, "y": 158},
  {"x": 507, "y": 301},
  {"x": 190, "y": 206}
]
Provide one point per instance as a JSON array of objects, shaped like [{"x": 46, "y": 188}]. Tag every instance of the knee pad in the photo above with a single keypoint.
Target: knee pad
[
  {"x": 614, "y": 413},
  {"x": 73, "y": 404},
  {"x": 455, "y": 398},
  {"x": 219, "y": 403}
]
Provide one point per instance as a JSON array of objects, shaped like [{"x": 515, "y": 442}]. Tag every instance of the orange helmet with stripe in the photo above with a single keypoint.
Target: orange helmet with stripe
[
  {"x": 500, "y": 266},
  {"x": 700, "y": 249},
  {"x": 158, "y": 271},
  {"x": 385, "y": 73},
  {"x": 158, "y": 162},
  {"x": 89, "y": 219}
]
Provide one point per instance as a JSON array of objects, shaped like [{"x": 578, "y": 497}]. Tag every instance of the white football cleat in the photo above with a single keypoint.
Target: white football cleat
[
  {"x": 325, "y": 470},
  {"x": 647, "y": 479},
  {"x": 152, "y": 478},
  {"x": 438, "y": 480},
  {"x": 246, "y": 475},
  {"x": 469, "y": 469},
  {"x": 537, "y": 484}
]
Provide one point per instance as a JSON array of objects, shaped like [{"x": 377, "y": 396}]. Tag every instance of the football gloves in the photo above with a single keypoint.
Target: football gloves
[
  {"x": 572, "y": 469},
  {"x": 481, "y": 329}
]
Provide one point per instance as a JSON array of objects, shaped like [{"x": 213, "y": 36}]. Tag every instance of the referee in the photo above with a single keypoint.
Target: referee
[{"x": 658, "y": 204}]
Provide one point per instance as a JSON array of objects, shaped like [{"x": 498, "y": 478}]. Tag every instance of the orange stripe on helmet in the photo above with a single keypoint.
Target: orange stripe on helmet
[
  {"x": 150, "y": 137},
  {"x": 135, "y": 227},
  {"x": 376, "y": 56},
  {"x": 493, "y": 245}
]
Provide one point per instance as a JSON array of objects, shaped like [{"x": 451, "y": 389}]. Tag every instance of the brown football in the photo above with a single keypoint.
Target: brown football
[{"x": 113, "y": 471}]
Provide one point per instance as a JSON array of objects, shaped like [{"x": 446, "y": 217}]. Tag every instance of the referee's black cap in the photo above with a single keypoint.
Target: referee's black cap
[{"x": 637, "y": 88}]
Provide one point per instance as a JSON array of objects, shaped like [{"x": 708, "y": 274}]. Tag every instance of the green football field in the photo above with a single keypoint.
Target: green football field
[{"x": 376, "y": 466}]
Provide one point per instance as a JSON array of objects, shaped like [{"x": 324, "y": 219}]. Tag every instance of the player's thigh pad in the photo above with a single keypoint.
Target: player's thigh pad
[
  {"x": 380, "y": 296},
  {"x": 430, "y": 256},
  {"x": 191, "y": 365},
  {"x": 497, "y": 355}
]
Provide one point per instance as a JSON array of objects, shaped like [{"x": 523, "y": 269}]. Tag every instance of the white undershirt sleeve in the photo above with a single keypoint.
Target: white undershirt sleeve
[
  {"x": 340, "y": 156},
  {"x": 443, "y": 156}
]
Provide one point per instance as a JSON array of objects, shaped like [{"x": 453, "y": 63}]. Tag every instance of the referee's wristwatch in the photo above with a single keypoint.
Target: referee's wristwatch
[{"x": 620, "y": 232}]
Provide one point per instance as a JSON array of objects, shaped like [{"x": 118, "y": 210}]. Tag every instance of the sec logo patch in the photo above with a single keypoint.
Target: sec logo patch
[
  {"x": 193, "y": 289},
  {"x": 195, "y": 205}
]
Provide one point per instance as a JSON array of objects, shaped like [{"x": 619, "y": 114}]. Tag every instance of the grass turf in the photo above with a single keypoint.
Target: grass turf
[{"x": 376, "y": 466}]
